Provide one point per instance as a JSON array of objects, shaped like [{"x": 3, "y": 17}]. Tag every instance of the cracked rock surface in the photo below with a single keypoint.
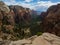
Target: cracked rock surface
[{"x": 44, "y": 39}]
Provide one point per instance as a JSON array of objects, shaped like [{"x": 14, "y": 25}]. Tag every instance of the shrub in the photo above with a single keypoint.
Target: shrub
[{"x": 39, "y": 33}]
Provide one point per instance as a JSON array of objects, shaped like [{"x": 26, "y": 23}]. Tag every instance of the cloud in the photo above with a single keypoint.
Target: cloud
[
  {"x": 25, "y": 5},
  {"x": 10, "y": 2},
  {"x": 28, "y": 0},
  {"x": 44, "y": 5},
  {"x": 40, "y": 5},
  {"x": 13, "y": 2}
]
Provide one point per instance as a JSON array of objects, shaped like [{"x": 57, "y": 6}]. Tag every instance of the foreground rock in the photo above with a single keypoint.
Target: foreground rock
[
  {"x": 44, "y": 39},
  {"x": 47, "y": 39}
]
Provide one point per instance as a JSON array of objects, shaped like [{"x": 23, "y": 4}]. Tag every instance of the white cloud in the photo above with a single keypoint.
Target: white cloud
[
  {"x": 10, "y": 2},
  {"x": 13, "y": 2},
  {"x": 28, "y": 0},
  {"x": 46, "y": 3},
  {"x": 25, "y": 5},
  {"x": 41, "y": 5}
]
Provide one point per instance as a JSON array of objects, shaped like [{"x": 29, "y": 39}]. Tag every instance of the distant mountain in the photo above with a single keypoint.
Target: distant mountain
[{"x": 38, "y": 12}]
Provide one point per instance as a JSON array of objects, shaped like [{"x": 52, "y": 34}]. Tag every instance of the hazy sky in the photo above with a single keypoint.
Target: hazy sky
[{"x": 39, "y": 5}]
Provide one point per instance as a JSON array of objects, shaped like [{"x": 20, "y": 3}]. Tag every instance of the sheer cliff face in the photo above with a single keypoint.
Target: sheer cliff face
[
  {"x": 14, "y": 14},
  {"x": 51, "y": 22},
  {"x": 21, "y": 13}
]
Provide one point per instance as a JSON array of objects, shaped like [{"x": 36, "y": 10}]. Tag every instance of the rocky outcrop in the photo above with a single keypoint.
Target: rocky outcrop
[
  {"x": 47, "y": 39},
  {"x": 51, "y": 22},
  {"x": 4, "y": 7},
  {"x": 21, "y": 14},
  {"x": 4, "y": 10},
  {"x": 44, "y": 39},
  {"x": 14, "y": 14},
  {"x": 10, "y": 16}
]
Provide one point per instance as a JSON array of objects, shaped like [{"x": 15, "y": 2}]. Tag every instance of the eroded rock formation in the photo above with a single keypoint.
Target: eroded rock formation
[
  {"x": 51, "y": 22},
  {"x": 11, "y": 16}
]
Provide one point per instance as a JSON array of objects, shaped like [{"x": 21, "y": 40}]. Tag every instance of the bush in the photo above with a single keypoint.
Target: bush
[{"x": 39, "y": 33}]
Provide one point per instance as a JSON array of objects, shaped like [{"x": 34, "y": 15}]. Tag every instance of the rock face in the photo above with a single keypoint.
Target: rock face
[
  {"x": 14, "y": 14},
  {"x": 47, "y": 39},
  {"x": 44, "y": 39},
  {"x": 51, "y": 21},
  {"x": 11, "y": 16},
  {"x": 4, "y": 7},
  {"x": 21, "y": 14}
]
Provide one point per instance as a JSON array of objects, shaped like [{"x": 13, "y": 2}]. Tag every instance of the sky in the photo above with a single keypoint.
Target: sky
[{"x": 38, "y": 5}]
